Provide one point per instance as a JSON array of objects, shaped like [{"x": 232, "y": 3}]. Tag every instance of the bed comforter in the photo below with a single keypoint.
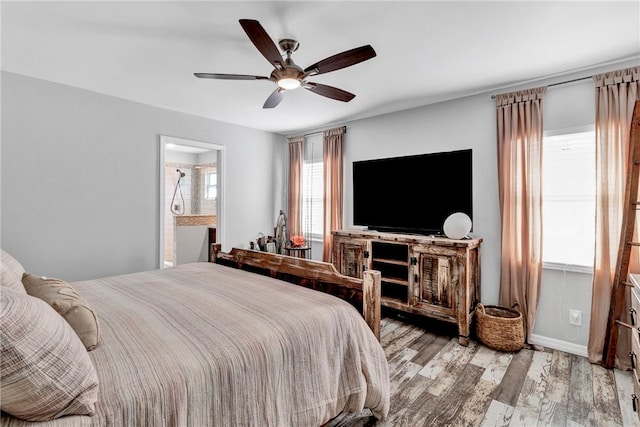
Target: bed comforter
[{"x": 207, "y": 345}]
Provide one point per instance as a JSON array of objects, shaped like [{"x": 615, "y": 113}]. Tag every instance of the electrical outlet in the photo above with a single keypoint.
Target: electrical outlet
[{"x": 575, "y": 317}]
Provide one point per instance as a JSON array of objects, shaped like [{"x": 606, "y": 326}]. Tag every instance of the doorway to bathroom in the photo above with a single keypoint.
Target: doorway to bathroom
[{"x": 191, "y": 200}]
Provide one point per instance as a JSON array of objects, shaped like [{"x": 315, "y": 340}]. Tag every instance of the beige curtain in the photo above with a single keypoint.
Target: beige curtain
[
  {"x": 520, "y": 131},
  {"x": 333, "y": 184},
  {"x": 616, "y": 93},
  {"x": 294, "y": 205}
]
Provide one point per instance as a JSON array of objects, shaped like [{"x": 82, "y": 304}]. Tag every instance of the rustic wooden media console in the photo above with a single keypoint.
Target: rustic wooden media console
[
  {"x": 430, "y": 276},
  {"x": 362, "y": 292}
]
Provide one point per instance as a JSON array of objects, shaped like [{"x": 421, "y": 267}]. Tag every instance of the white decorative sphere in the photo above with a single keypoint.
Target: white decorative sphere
[{"x": 457, "y": 225}]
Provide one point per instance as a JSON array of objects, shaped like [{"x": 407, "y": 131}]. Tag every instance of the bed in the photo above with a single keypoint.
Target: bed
[{"x": 210, "y": 344}]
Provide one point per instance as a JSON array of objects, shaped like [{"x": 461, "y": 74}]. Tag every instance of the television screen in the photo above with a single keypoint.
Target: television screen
[{"x": 412, "y": 194}]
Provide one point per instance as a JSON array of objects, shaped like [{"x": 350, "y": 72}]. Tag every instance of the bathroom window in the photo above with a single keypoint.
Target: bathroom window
[{"x": 211, "y": 186}]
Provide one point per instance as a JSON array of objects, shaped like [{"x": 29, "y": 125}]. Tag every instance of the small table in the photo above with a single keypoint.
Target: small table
[{"x": 297, "y": 251}]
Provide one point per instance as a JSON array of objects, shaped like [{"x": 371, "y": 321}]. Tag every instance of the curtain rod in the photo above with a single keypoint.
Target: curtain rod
[
  {"x": 560, "y": 83},
  {"x": 317, "y": 132},
  {"x": 321, "y": 131}
]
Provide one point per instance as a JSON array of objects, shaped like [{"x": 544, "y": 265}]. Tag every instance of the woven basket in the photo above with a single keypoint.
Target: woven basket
[{"x": 500, "y": 328}]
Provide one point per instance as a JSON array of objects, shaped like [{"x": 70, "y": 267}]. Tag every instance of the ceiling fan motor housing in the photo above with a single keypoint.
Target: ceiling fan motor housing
[{"x": 291, "y": 71}]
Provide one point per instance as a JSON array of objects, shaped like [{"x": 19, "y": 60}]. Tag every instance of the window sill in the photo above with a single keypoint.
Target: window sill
[{"x": 574, "y": 268}]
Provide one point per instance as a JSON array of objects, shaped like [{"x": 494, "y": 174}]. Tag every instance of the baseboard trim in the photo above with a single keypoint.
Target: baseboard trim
[{"x": 556, "y": 344}]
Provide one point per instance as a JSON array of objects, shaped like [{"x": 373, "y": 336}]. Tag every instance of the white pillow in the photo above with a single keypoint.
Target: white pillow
[
  {"x": 45, "y": 371},
  {"x": 11, "y": 272}
]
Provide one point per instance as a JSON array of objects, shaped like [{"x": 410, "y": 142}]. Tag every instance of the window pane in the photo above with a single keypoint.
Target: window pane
[
  {"x": 211, "y": 190},
  {"x": 312, "y": 188},
  {"x": 568, "y": 175}
]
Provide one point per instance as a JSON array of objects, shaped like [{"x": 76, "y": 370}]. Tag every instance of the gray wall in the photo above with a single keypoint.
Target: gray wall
[
  {"x": 471, "y": 123},
  {"x": 80, "y": 178}
]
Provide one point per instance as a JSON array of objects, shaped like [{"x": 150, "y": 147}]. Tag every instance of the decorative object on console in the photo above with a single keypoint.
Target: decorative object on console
[
  {"x": 261, "y": 242},
  {"x": 457, "y": 225},
  {"x": 298, "y": 241},
  {"x": 281, "y": 232},
  {"x": 297, "y": 247}
]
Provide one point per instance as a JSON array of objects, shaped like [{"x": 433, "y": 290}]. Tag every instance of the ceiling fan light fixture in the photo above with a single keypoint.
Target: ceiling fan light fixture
[{"x": 289, "y": 83}]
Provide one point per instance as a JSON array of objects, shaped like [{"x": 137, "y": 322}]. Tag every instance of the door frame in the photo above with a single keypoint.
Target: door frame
[{"x": 220, "y": 211}]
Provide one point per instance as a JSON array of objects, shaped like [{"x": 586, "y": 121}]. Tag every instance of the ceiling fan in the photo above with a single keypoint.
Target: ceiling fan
[{"x": 286, "y": 74}]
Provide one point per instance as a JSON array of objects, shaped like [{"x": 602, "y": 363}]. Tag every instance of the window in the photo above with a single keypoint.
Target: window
[
  {"x": 312, "y": 199},
  {"x": 313, "y": 188},
  {"x": 568, "y": 199},
  {"x": 210, "y": 185}
]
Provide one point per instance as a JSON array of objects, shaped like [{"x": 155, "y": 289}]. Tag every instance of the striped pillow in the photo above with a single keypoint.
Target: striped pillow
[
  {"x": 45, "y": 370},
  {"x": 11, "y": 272}
]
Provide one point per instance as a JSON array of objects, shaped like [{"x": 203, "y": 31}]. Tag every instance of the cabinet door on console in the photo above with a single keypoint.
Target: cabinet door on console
[
  {"x": 351, "y": 256},
  {"x": 436, "y": 278}
]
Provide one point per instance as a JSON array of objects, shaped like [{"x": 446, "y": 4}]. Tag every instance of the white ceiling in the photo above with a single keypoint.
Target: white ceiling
[{"x": 427, "y": 51}]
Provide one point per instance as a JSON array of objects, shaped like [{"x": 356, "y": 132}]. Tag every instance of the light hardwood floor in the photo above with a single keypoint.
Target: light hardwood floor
[{"x": 437, "y": 382}]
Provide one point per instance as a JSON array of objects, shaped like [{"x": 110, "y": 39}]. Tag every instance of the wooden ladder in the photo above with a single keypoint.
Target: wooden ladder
[{"x": 621, "y": 278}]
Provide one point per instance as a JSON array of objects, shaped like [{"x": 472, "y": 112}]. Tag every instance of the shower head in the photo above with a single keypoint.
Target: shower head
[{"x": 180, "y": 172}]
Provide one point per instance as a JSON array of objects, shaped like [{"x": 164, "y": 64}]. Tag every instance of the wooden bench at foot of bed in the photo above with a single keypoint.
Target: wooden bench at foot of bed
[{"x": 363, "y": 293}]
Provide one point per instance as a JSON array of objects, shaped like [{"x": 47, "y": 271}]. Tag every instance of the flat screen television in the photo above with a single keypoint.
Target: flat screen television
[{"x": 412, "y": 194}]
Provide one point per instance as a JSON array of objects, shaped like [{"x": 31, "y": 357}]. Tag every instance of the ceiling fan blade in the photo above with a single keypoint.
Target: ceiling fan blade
[
  {"x": 329, "y": 91},
  {"x": 274, "y": 99},
  {"x": 229, "y": 76},
  {"x": 262, "y": 41},
  {"x": 342, "y": 60}
]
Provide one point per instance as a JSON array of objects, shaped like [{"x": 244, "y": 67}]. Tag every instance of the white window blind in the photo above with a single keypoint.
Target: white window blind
[
  {"x": 313, "y": 209},
  {"x": 568, "y": 209},
  {"x": 313, "y": 188}
]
